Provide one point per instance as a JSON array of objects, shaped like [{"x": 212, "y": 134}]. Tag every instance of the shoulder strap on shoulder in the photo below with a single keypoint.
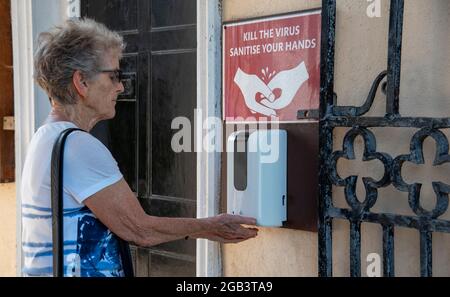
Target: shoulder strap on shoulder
[{"x": 57, "y": 202}]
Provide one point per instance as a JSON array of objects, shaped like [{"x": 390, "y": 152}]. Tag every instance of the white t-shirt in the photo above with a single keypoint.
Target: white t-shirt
[{"x": 90, "y": 249}]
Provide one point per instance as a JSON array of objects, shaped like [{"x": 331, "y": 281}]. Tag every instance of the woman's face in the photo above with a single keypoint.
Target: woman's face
[{"x": 104, "y": 88}]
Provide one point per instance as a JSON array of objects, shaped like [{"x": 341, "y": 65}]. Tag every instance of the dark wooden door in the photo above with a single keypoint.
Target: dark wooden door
[
  {"x": 6, "y": 94},
  {"x": 160, "y": 68}
]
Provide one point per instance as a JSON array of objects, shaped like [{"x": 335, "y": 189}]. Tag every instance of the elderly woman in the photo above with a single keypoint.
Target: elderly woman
[{"x": 77, "y": 64}]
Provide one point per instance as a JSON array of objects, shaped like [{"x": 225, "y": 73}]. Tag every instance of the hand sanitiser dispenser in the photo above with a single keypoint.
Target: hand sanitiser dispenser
[{"x": 256, "y": 175}]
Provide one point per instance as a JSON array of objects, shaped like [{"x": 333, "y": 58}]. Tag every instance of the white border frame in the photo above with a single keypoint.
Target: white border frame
[{"x": 209, "y": 28}]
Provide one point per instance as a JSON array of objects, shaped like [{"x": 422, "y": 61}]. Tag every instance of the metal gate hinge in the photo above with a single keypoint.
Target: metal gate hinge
[{"x": 8, "y": 123}]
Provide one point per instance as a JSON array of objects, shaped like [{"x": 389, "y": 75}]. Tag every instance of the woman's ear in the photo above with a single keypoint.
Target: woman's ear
[{"x": 80, "y": 83}]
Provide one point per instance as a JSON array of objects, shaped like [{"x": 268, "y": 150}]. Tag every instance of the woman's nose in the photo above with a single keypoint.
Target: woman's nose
[{"x": 121, "y": 88}]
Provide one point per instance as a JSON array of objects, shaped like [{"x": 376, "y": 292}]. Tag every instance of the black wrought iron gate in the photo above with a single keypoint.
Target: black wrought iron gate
[{"x": 332, "y": 116}]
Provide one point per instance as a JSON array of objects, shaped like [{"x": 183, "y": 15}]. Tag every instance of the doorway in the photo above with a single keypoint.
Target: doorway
[{"x": 159, "y": 65}]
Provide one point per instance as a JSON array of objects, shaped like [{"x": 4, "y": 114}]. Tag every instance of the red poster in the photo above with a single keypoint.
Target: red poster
[{"x": 271, "y": 67}]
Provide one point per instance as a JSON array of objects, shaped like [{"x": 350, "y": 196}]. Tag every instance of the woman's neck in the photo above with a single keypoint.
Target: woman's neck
[{"x": 76, "y": 113}]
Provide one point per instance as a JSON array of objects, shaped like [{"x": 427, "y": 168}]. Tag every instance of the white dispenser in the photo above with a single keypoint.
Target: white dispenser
[{"x": 256, "y": 175}]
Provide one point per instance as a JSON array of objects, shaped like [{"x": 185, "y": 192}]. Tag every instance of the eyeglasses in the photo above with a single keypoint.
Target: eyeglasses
[{"x": 117, "y": 75}]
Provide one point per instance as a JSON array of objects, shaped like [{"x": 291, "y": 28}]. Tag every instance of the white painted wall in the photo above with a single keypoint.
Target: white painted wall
[
  {"x": 208, "y": 163},
  {"x": 45, "y": 14}
]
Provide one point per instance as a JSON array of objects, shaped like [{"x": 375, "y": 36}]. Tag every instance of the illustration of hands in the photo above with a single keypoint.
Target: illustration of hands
[
  {"x": 288, "y": 81},
  {"x": 250, "y": 85}
]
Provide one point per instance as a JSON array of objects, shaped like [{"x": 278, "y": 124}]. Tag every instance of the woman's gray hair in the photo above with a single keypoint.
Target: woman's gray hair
[{"x": 78, "y": 44}]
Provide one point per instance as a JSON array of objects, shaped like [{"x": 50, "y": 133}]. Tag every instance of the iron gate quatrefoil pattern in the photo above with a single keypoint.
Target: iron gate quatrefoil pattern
[{"x": 332, "y": 116}]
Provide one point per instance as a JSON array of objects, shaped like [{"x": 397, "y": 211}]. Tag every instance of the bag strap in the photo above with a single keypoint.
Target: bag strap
[
  {"x": 57, "y": 212},
  {"x": 125, "y": 255},
  {"x": 57, "y": 202}
]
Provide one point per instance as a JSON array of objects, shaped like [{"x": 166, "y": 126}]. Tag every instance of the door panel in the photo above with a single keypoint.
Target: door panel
[
  {"x": 173, "y": 12},
  {"x": 165, "y": 265},
  {"x": 179, "y": 39},
  {"x": 123, "y": 140},
  {"x": 160, "y": 66},
  {"x": 116, "y": 15},
  {"x": 173, "y": 95}
]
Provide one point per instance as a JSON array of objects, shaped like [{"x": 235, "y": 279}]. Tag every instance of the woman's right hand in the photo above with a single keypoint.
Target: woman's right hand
[{"x": 227, "y": 228}]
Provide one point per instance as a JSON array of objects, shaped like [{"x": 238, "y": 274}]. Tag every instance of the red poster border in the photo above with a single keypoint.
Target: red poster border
[{"x": 317, "y": 10}]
